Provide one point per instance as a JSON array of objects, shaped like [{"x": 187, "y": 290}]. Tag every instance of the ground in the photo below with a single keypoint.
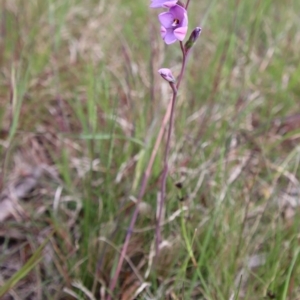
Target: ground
[{"x": 81, "y": 107}]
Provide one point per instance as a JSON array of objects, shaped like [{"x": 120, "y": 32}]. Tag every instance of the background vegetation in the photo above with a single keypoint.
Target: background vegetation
[{"x": 81, "y": 106}]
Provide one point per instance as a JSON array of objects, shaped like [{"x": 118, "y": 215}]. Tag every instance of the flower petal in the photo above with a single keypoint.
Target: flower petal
[
  {"x": 184, "y": 21},
  {"x": 178, "y": 11},
  {"x": 157, "y": 4},
  {"x": 169, "y": 37},
  {"x": 166, "y": 19},
  {"x": 180, "y": 33},
  {"x": 163, "y": 31},
  {"x": 169, "y": 4},
  {"x": 163, "y": 3}
]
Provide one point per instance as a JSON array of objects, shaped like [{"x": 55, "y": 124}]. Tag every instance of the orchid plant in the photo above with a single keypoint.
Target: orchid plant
[{"x": 174, "y": 27}]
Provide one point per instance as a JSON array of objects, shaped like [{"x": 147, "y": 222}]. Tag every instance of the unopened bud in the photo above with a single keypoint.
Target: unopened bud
[
  {"x": 192, "y": 39},
  {"x": 166, "y": 74}
]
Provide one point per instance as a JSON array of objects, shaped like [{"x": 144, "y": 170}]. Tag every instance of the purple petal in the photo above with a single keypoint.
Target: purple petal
[
  {"x": 157, "y": 3},
  {"x": 169, "y": 37},
  {"x": 163, "y": 31},
  {"x": 163, "y": 3},
  {"x": 180, "y": 33},
  {"x": 166, "y": 19},
  {"x": 177, "y": 11},
  {"x": 184, "y": 22},
  {"x": 169, "y": 4}
]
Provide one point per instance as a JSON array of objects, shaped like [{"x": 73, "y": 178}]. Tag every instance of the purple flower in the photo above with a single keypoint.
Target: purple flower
[
  {"x": 173, "y": 24},
  {"x": 163, "y": 3},
  {"x": 166, "y": 74}
]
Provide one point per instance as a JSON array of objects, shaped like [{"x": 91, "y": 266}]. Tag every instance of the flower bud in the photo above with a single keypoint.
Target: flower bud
[
  {"x": 192, "y": 39},
  {"x": 166, "y": 74}
]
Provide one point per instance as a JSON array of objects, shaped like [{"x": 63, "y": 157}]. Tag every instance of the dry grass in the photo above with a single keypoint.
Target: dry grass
[{"x": 81, "y": 105}]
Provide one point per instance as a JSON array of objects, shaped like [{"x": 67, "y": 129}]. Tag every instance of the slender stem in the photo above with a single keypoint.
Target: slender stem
[
  {"x": 187, "y": 4},
  {"x": 146, "y": 175},
  {"x": 166, "y": 169},
  {"x": 181, "y": 47},
  {"x": 167, "y": 151},
  {"x": 182, "y": 71},
  {"x": 183, "y": 66}
]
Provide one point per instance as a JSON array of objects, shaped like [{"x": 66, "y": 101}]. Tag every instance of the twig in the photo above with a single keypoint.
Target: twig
[
  {"x": 169, "y": 112},
  {"x": 145, "y": 179},
  {"x": 167, "y": 151},
  {"x": 187, "y": 4},
  {"x": 166, "y": 168}
]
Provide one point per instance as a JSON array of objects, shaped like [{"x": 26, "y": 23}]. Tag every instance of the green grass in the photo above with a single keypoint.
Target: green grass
[{"x": 80, "y": 95}]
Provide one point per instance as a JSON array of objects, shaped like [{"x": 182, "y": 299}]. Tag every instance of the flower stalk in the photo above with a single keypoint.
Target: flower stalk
[
  {"x": 165, "y": 168},
  {"x": 173, "y": 27}
]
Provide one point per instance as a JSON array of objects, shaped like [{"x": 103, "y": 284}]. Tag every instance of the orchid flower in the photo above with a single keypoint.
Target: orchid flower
[{"x": 174, "y": 24}]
